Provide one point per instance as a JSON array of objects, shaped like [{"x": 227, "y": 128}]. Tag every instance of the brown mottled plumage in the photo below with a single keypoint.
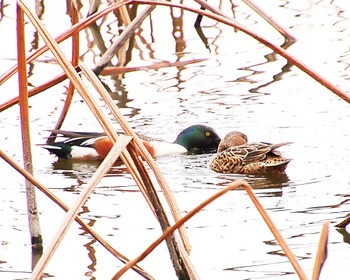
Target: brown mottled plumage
[
  {"x": 233, "y": 138},
  {"x": 235, "y": 155}
]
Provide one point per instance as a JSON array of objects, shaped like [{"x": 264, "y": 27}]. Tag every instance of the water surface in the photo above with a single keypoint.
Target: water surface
[{"x": 240, "y": 85}]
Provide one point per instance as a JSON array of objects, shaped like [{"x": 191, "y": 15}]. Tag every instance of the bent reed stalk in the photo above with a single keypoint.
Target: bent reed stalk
[{"x": 135, "y": 149}]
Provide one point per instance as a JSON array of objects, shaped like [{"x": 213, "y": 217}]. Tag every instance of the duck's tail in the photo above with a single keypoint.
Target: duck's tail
[
  {"x": 276, "y": 165},
  {"x": 274, "y": 148}
]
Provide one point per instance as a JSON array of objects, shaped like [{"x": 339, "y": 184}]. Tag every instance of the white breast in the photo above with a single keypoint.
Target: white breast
[
  {"x": 165, "y": 149},
  {"x": 83, "y": 153}
]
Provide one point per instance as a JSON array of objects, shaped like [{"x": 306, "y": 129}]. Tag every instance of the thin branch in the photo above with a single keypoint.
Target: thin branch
[
  {"x": 275, "y": 232},
  {"x": 268, "y": 19},
  {"x": 146, "y": 187},
  {"x": 63, "y": 206},
  {"x": 344, "y": 223},
  {"x": 68, "y": 33},
  {"x": 221, "y": 18},
  {"x": 75, "y": 61},
  {"x": 106, "y": 164},
  {"x": 321, "y": 252},
  {"x": 120, "y": 41},
  {"x": 32, "y": 208},
  {"x": 179, "y": 223}
]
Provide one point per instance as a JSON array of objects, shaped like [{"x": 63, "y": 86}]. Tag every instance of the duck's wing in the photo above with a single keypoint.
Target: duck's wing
[
  {"x": 250, "y": 152},
  {"x": 274, "y": 147},
  {"x": 87, "y": 135},
  {"x": 78, "y": 134}
]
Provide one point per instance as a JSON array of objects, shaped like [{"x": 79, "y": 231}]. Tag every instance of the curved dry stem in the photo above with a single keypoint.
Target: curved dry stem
[
  {"x": 268, "y": 19},
  {"x": 275, "y": 232},
  {"x": 70, "y": 91},
  {"x": 179, "y": 223},
  {"x": 68, "y": 33},
  {"x": 127, "y": 33},
  {"x": 321, "y": 252},
  {"x": 219, "y": 17},
  {"x": 145, "y": 154},
  {"x": 190, "y": 214},
  {"x": 344, "y": 223},
  {"x": 34, "y": 91},
  {"x": 106, "y": 164},
  {"x": 64, "y": 207}
]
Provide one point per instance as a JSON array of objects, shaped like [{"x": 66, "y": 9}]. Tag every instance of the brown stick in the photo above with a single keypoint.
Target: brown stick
[
  {"x": 32, "y": 208},
  {"x": 106, "y": 164},
  {"x": 221, "y": 18},
  {"x": 76, "y": 28},
  {"x": 268, "y": 19},
  {"x": 146, "y": 187},
  {"x": 275, "y": 232},
  {"x": 75, "y": 61},
  {"x": 127, "y": 33},
  {"x": 344, "y": 223},
  {"x": 190, "y": 214},
  {"x": 321, "y": 252},
  {"x": 63, "y": 206}
]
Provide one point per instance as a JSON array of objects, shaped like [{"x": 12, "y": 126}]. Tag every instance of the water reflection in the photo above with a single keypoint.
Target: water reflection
[
  {"x": 345, "y": 234},
  {"x": 90, "y": 244},
  {"x": 240, "y": 85},
  {"x": 81, "y": 170},
  {"x": 259, "y": 182},
  {"x": 277, "y": 77}
]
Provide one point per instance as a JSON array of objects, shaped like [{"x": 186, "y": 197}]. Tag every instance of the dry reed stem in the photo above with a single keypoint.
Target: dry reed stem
[
  {"x": 125, "y": 15},
  {"x": 136, "y": 169},
  {"x": 106, "y": 164},
  {"x": 75, "y": 79},
  {"x": 64, "y": 207},
  {"x": 344, "y": 223},
  {"x": 68, "y": 69},
  {"x": 221, "y": 18},
  {"x": 115, "y": 70},
  {"x": 175, "y": 249},
  {"x": 321, "y": 252},
  {"x": 190, "y": 214},
  {"x": 107, "y": 71},
  {"x": 275, "y": 232},
  {"x": 169, "y": 196},
  {"x": 126, "y": 158},
  {"x": 179, "y": 223},
  {"x": 73, "y": 76},
  {"x": 268, "y": 19},
  {"x": 75, "y": 61},
  {"x": 32, "y": 208},
  {"x": 34, "y": 91},
  {"x": 126, "y": 34},
  {"x": 68, "y": 33}
]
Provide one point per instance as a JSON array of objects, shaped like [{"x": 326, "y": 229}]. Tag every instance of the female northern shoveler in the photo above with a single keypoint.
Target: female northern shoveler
[
  {"x": 236, "y": 155},
  {"x": 86, "y": 146}
]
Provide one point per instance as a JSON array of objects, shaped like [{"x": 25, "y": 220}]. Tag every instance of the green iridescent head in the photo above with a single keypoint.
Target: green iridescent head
[{"x": 199, "y": 138}]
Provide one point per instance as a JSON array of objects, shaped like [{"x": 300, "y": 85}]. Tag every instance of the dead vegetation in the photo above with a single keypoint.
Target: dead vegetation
[{"x": 128, "y": 148}]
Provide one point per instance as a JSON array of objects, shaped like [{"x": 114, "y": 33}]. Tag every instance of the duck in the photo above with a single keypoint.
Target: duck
[
  {"x": 196, "y": 138},
  {"x": 236, "y": 155}
]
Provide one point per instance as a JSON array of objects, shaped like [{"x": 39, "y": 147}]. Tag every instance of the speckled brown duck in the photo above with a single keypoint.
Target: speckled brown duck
[{"x": 236, "y": 155}]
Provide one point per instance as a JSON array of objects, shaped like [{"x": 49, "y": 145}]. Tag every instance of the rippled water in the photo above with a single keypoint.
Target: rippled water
[{"x": 242, "y": 86}]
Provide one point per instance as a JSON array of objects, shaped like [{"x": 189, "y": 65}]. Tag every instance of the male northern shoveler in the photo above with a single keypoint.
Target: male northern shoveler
[
  {"x": 236, "y": 155},
  {"x": 95, "y": 146}
]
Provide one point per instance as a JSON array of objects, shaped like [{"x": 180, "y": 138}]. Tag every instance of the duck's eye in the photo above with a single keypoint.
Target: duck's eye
[{"x": 207, "y": 134}]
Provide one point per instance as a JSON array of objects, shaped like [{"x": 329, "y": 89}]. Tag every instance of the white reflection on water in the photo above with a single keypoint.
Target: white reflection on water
[{"x": 241, "y": 86}]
